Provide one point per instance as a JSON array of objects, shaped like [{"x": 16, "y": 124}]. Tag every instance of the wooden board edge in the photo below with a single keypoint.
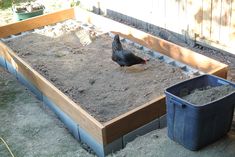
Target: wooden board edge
[
  {"x": 184, "y": 55},
  {"x": 79, "y": 115},
  {"x": 133, "y": 119},
  {"x": 221, "y": 72},
  {"x": 36, "y": 22}
]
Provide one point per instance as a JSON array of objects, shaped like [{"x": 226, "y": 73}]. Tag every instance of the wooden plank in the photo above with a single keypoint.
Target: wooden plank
[
  {"x": 232, "y": 27},
  {"x": 86, "y": 121},
  {"x": 194, "y": 17},
  {"x": 216, "y": 20},
  {"x": 220, "y": 72},
  {"x": 36, "y": 22},
  {"x": 172, "y": 15},
  {"x": 225, "y": 22},
  {"x": 158, "y": 13},
  {"x": 144, "y": 10},
  {"x": 135, "y": 118},
  {"x": 207, "y": 19},
  {"x": 172, "y": 50},
  {"x": 182, "y": 20}
]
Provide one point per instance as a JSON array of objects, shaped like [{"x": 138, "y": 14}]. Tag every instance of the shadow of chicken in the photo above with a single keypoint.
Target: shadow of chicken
[{"x": 124, "y": 57}]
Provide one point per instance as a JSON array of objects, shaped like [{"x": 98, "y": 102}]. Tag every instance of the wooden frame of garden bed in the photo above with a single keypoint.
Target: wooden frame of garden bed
[{"x": 102, "y": 134}]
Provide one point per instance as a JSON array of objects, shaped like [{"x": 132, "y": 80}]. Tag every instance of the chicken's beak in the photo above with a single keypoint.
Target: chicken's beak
[{"x": 146, "y": 60}]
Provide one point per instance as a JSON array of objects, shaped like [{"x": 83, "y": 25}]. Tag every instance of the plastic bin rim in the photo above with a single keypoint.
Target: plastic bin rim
[{"x": 191, "y": 104}]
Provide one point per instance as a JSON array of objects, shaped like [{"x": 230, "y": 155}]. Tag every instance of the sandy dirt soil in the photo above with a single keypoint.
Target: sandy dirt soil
[
  {"x": 208, "y": 94},
  {"x": 157, "y": 144},
  {"x": 80, "y": 65},
  {"x": 29, "y": 128}
]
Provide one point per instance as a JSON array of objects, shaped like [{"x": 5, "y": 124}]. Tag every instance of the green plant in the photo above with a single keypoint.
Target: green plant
[
  {"x": 4, "y": 4},
  {"x": 74, "y": 3}
]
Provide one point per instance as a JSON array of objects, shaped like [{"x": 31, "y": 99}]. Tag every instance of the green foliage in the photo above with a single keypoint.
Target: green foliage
[
  {"x": 4, "y": 4},
  {"x": 74, "y": 3}
]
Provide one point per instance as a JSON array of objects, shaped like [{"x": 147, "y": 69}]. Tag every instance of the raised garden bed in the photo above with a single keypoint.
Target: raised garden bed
[
  {"x": 86, "y": 73},
  {"x": 107, "y": 136}
]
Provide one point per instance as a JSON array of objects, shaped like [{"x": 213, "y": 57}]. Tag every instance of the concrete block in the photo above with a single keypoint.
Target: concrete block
[
  {"x": 155, "y": 54},
  {"x": 2, "y": 62},
  {"x": 180, "y": 65},
  {"x": 69, "y": 123},
  {"x": 114, "y": 146},
  {"x": 138, "y": 46},
  {"x": 29, "y": 85},
  {"x": 184, "y": 67},
  {"x": 172, "y": 63},
  {"x": 153, "y": 125},
  {"x": 11, "y": 68},
  {"x": 146, "y": 49},
  {"x": 129, "y": 42},
  {"x": 125, "y": 17},
  {"x": 98, "y": 148},
  {"x": 163, "y": 121},
  {"x": 161, "y": 58},
  {"x": 196, "y": 73},
  {"x": 168, "y": 60},
  {"x": 123, "y": 40},
  {"x": 91, "y": 142}
]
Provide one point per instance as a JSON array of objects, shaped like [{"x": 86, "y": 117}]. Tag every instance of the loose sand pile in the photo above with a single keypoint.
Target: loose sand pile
[{"x": 208, "y": 94}]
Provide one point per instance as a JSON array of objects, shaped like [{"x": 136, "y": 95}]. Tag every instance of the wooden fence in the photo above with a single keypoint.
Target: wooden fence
[{"x": 207, "y": 21}]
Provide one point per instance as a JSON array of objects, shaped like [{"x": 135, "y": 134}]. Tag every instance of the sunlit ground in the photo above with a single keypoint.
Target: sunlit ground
[{"x": 50, "y": 5}]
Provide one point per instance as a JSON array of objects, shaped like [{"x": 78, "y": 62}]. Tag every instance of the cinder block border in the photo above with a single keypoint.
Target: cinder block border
[
  {"x": 163, "y": 121},
  {"x": 29, "y": 85},
  {"x": 2, "y": 62},
  {"x": 69, "y": 123},
  {"x": 153, "y": 125},
  {"x": 10, "y": 68}
]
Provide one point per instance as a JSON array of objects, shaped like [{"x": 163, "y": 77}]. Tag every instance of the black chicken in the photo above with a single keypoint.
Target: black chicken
[{"x": 124, "y": 57}]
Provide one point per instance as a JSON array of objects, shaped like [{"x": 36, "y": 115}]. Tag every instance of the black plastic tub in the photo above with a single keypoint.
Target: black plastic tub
[{"x": 195, "y": 126}]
